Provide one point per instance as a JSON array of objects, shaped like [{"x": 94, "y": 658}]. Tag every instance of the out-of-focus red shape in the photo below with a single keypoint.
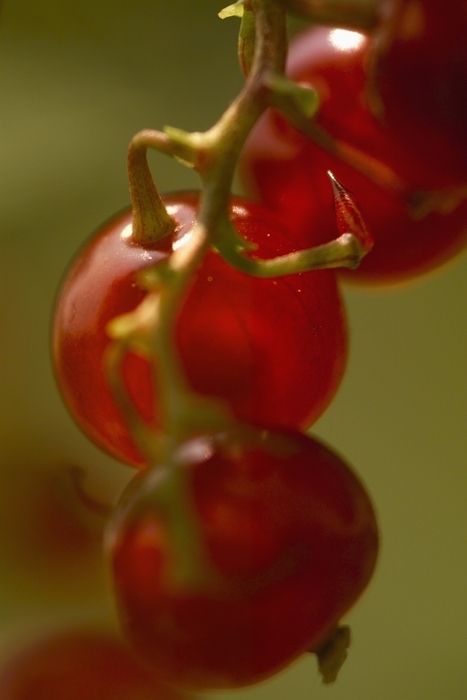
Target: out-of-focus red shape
[
  {"x": 80, "y": 664},
  {"x": 42, "y": 517}
]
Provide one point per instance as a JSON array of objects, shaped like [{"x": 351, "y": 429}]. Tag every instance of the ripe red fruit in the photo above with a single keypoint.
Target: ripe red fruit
[
  {"x": 76, "y": 665},
  {"x": 286, "y": 170},
  {"x": 291, "y": 537},
  {"x": 275, "y": 349}
]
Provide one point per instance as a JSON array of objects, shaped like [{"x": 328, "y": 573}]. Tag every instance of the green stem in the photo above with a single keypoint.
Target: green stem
[
  {"x": 224, "y": 141},
  {"x": 190, "y": 567},
  {"x": 151, "y": 327},
  {"x": 167, "y": 493},
  {"x": 182, "y": 410},
  {"x": 214, "y": 155},
  {"x": 371, "y": 167},
  {"x": 246, "y": 40},
  {"x": 344, "y": 251},
  {"x": 151, "y": 222},
  {"x": 148, "y": 441}
]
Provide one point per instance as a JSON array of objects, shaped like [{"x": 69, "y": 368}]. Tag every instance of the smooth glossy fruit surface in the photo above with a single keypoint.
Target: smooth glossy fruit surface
[
  {"x": 292, "y": 540},
  {"x": 79, "y": 665},
  {"x": 274, "y": 349},
  {"x": 286, "y": 170}
]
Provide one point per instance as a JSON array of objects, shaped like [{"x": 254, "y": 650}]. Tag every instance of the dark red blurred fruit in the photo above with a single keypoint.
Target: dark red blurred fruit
[
  {"x": 292, "y": 540},
  {"x": 79, "y": 665},
  {"x": 420, "y": 67}
]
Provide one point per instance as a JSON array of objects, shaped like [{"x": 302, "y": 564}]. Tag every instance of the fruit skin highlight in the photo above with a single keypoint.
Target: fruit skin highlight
[
  {"x": 291, "y": 539},
  {"x": 274, "y": 349}
]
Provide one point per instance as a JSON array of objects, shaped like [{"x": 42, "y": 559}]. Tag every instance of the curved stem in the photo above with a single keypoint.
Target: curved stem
[
  {"x": 246, "y": 40},
  {"x": 347, "y": 250},
  {"x": 149, "y": 442},
  {"x": 183, "y": 411},
  {"x": 344, "y": 251},
  {"x": 226, "y": 138},
  {"x": 214, "y": 155},
  {"x": 371, "y": 167},
  {"x": 151, "y": 222}
]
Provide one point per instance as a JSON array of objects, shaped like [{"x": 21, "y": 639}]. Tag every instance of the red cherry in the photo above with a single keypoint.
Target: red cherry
[
  {"x": 78, "y": 664},
  {"x": 290, "y": 534},
  {"x": 275, "y": 349},
  {"x": 286, "y": 171}
]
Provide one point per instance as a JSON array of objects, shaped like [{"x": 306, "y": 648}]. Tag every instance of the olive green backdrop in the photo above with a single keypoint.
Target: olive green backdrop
[{"x": 77, "y": 79}]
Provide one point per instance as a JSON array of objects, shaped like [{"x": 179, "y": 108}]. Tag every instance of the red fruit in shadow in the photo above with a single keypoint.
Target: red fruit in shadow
[
  {"x": 76, "y": 665},
  {"x": 291, "y": 539},
  {"x": 419, "y": 68}
]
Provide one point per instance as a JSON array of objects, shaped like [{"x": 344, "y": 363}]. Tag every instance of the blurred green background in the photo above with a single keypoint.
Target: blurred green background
[{"x": 77, "y": 80}]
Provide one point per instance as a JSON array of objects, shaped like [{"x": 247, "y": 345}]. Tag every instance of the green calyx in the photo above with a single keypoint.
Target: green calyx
[
  {"x": 234, "y": 10},
  {"x": 288, "y": 96}
]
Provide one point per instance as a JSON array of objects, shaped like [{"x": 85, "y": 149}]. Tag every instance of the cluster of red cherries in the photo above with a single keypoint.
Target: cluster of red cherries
[{"x": 246, "y": 549}]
